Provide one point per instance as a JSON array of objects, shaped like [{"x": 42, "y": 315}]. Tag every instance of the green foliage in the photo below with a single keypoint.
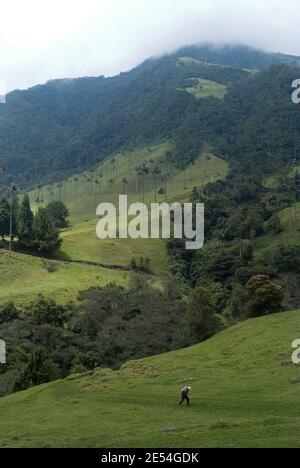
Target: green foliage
[
  {"x": 44, "y": 311},
  {"x": 8, "y": 313},
  {"x": 203, "y": 321},
  {"x": 143, "y": 265},
  {"x": 59, "y": 213},
  {"x": 133, "y": 264},
  {"x": 4, "y": 218},
  {"x": 25, "y": 223},
  {"x": 274, "y": 226},
  {"x": 254, "y": 224},
  {"x": 286, "y": 258},
  {"x": 39, "y": 369},
  {"x": 146, "y": 107},
  {"x": 106, "y": 328},
  {"x": 46, "y": 235},
  {"x": 259, "y": 297}
]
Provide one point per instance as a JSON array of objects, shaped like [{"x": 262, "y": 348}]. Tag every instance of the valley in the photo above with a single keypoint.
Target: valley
[{"x": 101, "y": 335}]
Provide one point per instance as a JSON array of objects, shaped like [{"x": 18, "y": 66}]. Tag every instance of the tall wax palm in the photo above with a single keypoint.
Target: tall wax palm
[{"x": 156, "y": 172}]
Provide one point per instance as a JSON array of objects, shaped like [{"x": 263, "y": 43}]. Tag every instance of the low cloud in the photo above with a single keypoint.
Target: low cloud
[{"x": 69, "y": 38}]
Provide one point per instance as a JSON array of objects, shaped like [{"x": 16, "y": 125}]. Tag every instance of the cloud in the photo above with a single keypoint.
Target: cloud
[{"x": 69, "y": 38}]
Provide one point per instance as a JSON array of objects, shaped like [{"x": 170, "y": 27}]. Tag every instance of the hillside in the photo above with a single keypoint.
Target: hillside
[
  {"x": 244, "y": 394},
  {"x": 195, "y": 96},
  {"x": 62, "y": 278}
]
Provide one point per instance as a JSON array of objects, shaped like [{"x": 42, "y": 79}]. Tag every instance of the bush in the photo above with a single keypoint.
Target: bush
[
  {"x": 51, "y": 267},
  {"x": 8, "y": 313},
  {"x": 39, "y": 369},
  {"x": 259, "y": 297},
  {"x": 201, "y": 315}
]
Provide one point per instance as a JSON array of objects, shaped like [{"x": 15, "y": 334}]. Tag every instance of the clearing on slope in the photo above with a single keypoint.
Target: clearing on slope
[
  {"x": 204, "y": 88},
  {"x": 23, "y": 277},
  {"x": 290, "y": 222}
]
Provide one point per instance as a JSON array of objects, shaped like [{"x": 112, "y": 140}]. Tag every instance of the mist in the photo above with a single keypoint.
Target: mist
[{"x": 45, "y": 40}]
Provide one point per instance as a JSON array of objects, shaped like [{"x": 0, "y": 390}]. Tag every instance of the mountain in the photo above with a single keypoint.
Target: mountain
[
  {"x": 239, "y": 56},
  {"x": 243, "y": 383},
  {"x": 66, "y": 126}
]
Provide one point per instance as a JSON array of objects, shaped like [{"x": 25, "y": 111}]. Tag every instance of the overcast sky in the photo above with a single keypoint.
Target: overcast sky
[{"x": 46, "y": 39}]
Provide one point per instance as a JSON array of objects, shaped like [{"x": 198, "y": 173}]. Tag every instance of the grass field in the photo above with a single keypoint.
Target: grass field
[
  {"x": 204, "y": 88},
  {"x": 25, "y": 276},
  {"x": 80, "y": 241},
  {"x": 245, "y": 393}
]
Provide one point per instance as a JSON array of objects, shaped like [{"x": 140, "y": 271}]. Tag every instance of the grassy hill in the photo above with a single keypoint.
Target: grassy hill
[
  {"x": 84, "y": 191},
  {"x": 61, "y": 278},
  {"x": 25, "y": 276},
  {"x": 244, "y": 393}
]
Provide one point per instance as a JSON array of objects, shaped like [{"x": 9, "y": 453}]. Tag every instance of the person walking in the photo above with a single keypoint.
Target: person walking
[{"x": 185, "y": 395}]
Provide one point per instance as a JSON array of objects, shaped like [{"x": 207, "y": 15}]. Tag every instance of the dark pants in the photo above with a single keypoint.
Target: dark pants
[{"x": 185, "y": 397}]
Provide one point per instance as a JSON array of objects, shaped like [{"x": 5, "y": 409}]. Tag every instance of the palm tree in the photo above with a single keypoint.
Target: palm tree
[
  {"x": 124, "y": 182},
  {"x": 39, "y": 198},
  {"x": 111, "y": 185},
  {"x": 155, "y": 171},
  {"x": 59, "y": 186},
  {"x": 142, "y": 171},
  {"x": 97, "y": 184}
]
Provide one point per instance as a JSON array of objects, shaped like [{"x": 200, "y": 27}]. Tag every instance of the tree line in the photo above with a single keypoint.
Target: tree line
[{"x": 35, "y": 231}]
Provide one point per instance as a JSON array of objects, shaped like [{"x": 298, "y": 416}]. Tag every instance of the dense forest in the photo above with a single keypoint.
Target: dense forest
[{"x": 65, "y": 126}]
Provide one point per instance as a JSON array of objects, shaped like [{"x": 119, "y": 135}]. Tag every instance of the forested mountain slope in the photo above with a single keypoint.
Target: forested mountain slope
[{"x": 64, "y": 126}]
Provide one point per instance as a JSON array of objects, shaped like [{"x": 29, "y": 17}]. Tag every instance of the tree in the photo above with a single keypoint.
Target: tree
[
  {"x": 111, "y": 185},
  {"x": 254, "y": 224},
  {"x": 124, "y": 183},
  {"x": 59, "y": 214},
  {"x": 14, "y": 211},
  {"x": 39, "y": 369},
  {"x": 133, "y": 264},
  {"x": 259, "y": 297},
  {"x": 44, "y": 310},
  {"x": 265, "y": 297},
  {"x": 8, "y": 313},
  {"x": 203, "y": 321},
  {"x": 286, "y": 258},
  {"x": 25, "y": 223},
  {"x": 156, "y": 172},
  {"x": 46, "y": 235},
  {"x": 4, "y": 218},
  {"x": 273, "y": 226}
]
